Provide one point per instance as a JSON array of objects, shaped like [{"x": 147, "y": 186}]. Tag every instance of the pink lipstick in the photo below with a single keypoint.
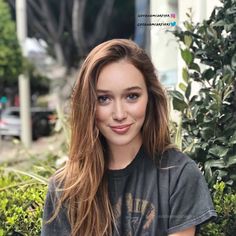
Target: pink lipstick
[{"x": 120, "y": 129}]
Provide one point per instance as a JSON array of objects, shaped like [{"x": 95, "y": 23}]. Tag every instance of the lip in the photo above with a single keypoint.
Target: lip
[{"x": 120, "y": 129}]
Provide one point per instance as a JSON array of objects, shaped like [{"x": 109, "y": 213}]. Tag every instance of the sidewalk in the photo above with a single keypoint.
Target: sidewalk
[{"x": 14, "y": 152}]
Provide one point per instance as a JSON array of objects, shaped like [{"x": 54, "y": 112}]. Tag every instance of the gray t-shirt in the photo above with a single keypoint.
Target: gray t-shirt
[
  {"x": 149, "y": 198},
  {"x": 161, "y": 198}
]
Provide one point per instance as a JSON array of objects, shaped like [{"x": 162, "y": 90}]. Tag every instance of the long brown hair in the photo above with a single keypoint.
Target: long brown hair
[{"x": 85, "y": 189}]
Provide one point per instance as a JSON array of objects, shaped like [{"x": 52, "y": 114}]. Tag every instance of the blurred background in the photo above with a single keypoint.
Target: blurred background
[
  {"x": 49, "y": 40},
  {"x": 42, "y": 46}
]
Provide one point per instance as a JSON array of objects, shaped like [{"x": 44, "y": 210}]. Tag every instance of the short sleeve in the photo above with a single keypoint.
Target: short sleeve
[
  {"x": 60, "y": 225},
  {"x": 190, "y": 200}
]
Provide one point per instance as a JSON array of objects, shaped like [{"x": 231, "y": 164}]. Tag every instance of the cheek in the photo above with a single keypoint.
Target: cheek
[
  {"x": 102, "y": 114},
  {"x": 139, "y": 111}
]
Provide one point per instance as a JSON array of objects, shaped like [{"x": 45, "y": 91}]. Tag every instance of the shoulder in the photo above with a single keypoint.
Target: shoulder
[
  {"x": 53, "y": 195},
  {"x": 52, "y": 184},
  {"x": 174, "y": 158},
  {"x": 55, "y": 188},
  {"x": 179, "y": 168},
  {"x": 55, "y": 219},
  {"x": 184, "y": 185}
]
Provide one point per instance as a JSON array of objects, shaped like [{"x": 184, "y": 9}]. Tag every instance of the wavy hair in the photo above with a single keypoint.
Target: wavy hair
[{"x": 85, "y": 187}]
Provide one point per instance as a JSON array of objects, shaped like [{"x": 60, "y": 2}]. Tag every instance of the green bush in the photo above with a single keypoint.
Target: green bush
[
  {"x": 207, "y": 129},
  {"x": 225, "y": 205},
  {"x": 23, "y": 187},
  {"x": 22, "y": 195},
  {"x": 22, "y": 199},
  {"x": 11, "y": 60},
  {"x": 209, "y": 117},
  {"x": 21, "y": 204}
]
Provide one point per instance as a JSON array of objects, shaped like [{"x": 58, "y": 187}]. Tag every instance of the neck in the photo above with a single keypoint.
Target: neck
[{"x": 122, "y": 156}]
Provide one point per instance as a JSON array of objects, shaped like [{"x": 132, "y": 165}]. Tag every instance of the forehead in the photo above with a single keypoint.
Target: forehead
[{"x": 120, "y": 75}]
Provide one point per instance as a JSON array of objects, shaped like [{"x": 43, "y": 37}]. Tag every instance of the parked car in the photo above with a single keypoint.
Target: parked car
[{"x": 42, "y": 121}]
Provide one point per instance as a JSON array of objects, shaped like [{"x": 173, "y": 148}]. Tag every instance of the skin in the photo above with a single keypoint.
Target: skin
[
  {"x": 122, "y": 101},
  {"x": 120, "y": 113}
]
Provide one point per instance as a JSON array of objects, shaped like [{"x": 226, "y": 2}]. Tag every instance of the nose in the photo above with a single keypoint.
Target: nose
[{"x": 119, "y": 112}]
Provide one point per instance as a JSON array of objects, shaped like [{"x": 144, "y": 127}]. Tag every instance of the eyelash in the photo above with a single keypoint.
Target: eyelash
[
  {"x": 133, "y": 96},
  {"x": 104, "y": 99}
]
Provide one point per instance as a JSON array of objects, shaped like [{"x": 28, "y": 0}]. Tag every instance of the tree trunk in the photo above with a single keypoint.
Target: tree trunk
[
  {"x": 101, "y": 22},
  {"x": 59, "y": 54},
  {"x": 77, "y": 25}
]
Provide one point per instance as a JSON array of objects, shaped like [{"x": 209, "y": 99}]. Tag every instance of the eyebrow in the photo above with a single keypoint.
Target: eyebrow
[{"x": 127, "y": 89}]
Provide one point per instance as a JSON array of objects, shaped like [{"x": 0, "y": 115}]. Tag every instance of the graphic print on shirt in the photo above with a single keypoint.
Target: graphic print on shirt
[{"x": 139, "y": 215}]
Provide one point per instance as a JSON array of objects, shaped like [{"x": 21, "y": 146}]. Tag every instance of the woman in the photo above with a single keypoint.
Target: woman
[{"x": 123, "y": 176}]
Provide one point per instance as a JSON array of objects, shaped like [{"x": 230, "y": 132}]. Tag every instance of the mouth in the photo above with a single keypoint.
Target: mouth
[{"x": 120, "y": 129}]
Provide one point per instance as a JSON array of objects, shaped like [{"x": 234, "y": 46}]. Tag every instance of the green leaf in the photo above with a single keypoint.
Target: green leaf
[
  {"x": 178, "y": 100},
  {"x": 207, "y": 133},
  {"x": 221, "y": 140},
  {"x": 213, "y": 107},
  {"x": 188, "y": 15},
  {"x": 219, "y": 23},
  {"x": 182, "y": 86},
  {"x": 188, "y": 40},
  {"x": 185, "y": 74},
  {"x": 233, "y": 177},
  {"x": 193, "y": 102},
  {"x": 222, "y": 173},
  {"x": 176, "y": 94},
  {"x": 208, "y": 172},
  {"x": 195, "y": 66},
  {"x": 187, "y": 56},
  {"x": 178, "y": 134},
  {"x": 188, "y": 25},
  {"x": 229, "y": 90},
  {"x": 231, "y": 10},
  {"x": 226, "y": 118},
  {"x": 211, "y": 32},
  {"x": 229, "y": 27},
  {"x": 232, "y": 139},
  {"x": 227, "y": 78},
  {"x": 179, "y": 105},
  {"x": 220, "y": 86},
  {"x": 219, "y": 151},
  {"x": 215, "y": 96},
  {"x": 231, "y": 161},
  {"x": 214, "y": 163},
  {"x": 208, "y": 74},
  {"x": 227, "y": 70},
  {"x": 204, "y": 146},
  {"x": 188, "y": 91},
  {"x": 230, "y": 127},
  {"x": 233, "y": 62}
]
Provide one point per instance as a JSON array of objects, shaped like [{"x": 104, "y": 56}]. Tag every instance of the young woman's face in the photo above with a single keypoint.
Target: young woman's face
[{"x": 121, "y": 103}]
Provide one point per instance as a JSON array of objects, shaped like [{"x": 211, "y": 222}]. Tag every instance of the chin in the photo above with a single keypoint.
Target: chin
[
  {"x": 122, "y": 141},
  {"x": 119, "y": 143}
]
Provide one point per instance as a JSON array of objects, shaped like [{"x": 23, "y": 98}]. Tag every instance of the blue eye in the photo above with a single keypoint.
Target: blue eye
[
  {"x": 103, "y": 99},
  {"x": 133, "y": 96}
]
